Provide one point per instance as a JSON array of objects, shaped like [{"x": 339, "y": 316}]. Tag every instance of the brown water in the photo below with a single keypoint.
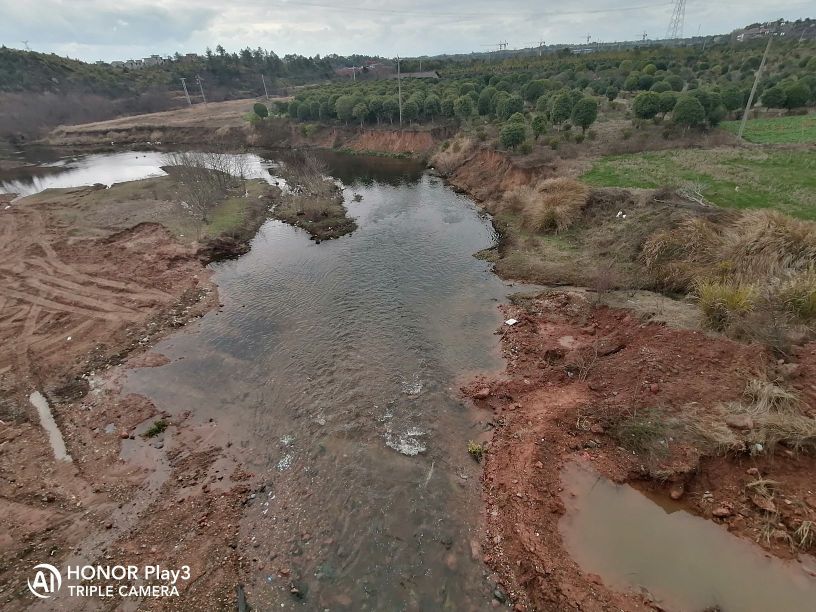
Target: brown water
[
  {"x": 336, "y": 366},
  {"x": 683, "y": 561}
]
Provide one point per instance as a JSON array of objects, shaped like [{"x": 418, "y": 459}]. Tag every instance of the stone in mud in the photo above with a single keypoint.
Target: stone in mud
[
  {"x": 500, "y": 595},
  {"x": 722, "y": 511},
  {"x": 739, "y": 421},
  {"x": 482, "y": 393},
  {"x": 677, "y": 490},
  {"x": 763, "y": 503}
]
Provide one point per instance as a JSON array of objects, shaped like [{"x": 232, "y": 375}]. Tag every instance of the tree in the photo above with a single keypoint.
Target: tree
[
  {"x": 517, "y": 118},
  {"x": 539, "y": 125},
  {"x": 293, "y": 109},
  {"x": 535, "y": 89},
  {"x": 260, "y": 110},
  {"x": 432, "y": 106},
  {"x": 447, "y": 106},
  {"x": 463, "y": 107},
  {"x": 688, "y": 112},
  {"x": 774, "y": 97},
  {"x": 391, "y": 108},
  {"x": 360, "y": 112},
  {"x": 732, "y": 98},
  {"x": 612, "y": 93},
  {"x": 796, "y": 95},
  {"x": 410, "y": 111},
  {"x": 344, "y": 107},
  {"x": 512, "y": 135},
  {"x": 585, "y": 112},
  {"x": 660, "y": 87},
  {"x": 561, "y": 108},
  {"x": 646, "y": 105},
  {"x": 675, "y": 81},
  {"x": 666, "y": 102},
  {"x": 485, "y": 104}
]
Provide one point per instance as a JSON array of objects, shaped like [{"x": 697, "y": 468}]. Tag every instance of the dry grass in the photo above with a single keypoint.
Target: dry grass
[
  {"x": 722, "y": 302},
  {"x": 453, "y": 154},
  {"x": 761, "y": 261},
  {"x": 774, "y": 415},
  {"x": 551, "y": 205}
]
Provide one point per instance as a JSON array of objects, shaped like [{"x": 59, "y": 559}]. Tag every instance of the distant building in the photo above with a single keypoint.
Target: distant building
[
  {"x": 132, "y": 64},
  {"x": 189, "y": 57},
  {"x": 118, "y": 64},
  {"x": 153, "y": 60}
]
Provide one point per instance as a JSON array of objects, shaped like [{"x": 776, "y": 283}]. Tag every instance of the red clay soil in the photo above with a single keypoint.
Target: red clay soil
[
  {"x": 574, "y": 369},
  {"x": 71, "y": 312}
]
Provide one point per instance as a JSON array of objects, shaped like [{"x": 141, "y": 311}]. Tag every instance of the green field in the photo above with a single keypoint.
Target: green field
[
  {"x": 780, "y": 130},
  {"x": 736, "y": 178}
]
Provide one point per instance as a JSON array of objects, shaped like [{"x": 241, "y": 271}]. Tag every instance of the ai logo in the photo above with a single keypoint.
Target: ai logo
[{"x": 47, "y": 581}]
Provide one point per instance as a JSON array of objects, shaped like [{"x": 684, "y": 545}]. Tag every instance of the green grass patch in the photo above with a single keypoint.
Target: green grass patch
[
  {"x": 779, "y": 130},
  {"x": 733, "y": 178}
]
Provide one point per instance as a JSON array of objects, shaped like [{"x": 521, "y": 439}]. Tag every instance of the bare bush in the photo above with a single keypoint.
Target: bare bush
[
  {"x": 552, "y": 205},
  {"x": 204, "y": 179}
]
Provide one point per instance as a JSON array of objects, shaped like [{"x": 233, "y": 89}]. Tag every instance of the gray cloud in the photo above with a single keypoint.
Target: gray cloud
[{"x": 101, "y": 29}]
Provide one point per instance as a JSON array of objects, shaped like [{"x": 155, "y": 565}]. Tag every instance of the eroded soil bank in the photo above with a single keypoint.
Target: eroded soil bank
[{"x": 627, "y": 381}]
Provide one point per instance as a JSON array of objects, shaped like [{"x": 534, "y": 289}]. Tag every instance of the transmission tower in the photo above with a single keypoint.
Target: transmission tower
[{"x": 675, "y": 30}]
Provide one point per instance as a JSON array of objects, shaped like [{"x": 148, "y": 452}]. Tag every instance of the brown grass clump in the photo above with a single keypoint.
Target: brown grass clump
[
  {"x": 551, "y": 205},
  {"x": 747, "y": 273},
  {"x": 766, "y": 416},
  {"x": 452, "y": 154}
]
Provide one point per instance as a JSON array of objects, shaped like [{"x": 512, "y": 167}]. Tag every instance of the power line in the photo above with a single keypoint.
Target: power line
[{"x": 431, "y": 13}]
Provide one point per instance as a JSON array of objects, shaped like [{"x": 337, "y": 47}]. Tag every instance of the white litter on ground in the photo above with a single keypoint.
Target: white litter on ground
[{"x": 510, "y": 322}]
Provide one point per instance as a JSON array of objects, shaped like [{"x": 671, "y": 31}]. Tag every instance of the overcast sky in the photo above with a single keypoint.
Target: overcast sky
[{"x": 120, "y": 29}]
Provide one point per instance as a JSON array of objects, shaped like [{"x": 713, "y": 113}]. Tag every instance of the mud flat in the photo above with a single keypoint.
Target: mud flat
[{"x": 90, "y": 278}]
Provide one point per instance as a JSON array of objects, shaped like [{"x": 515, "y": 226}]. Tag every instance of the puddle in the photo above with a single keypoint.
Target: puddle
[
  {"x": 683, "y": 561},
  {"x": 38, "y": 400}
]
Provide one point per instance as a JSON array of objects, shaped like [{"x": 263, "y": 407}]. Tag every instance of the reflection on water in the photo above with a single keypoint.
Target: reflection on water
[
  {"x": 685, "y": 562},
  {"x": 337, "y": 366},
  {"x": 103, "y": 168}
]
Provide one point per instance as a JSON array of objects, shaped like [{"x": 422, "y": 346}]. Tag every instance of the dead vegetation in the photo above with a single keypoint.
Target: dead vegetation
[
  {"x": 549, "y": 204},
  {"x": 313, "y": 202},
  {"x": 751, "y": 275}
]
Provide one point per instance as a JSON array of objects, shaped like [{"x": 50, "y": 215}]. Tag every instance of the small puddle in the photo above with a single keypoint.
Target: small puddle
[
  {"x": 48, "y": 423},
  {"x": 683, "y": 561}
]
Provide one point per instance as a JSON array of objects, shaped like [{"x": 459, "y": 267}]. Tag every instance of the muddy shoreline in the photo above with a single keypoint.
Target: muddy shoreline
[{"x": 553, "y": 406}]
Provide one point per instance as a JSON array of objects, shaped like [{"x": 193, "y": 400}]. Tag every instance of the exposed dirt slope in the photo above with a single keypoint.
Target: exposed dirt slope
[{"x": 555, "y": 404}]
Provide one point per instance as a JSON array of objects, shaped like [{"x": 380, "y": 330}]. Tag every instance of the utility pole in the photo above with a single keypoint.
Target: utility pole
[
  {"x": 399, "y": 89},
  {"x": 540, "y": 47},
  {"x": 201, "y": 87},
  {"x": 754, "y": 88},
  {"x": 263, "y": 80},
  {"x": 184, "y": 85},
  {"x": 588, "y": 37},
  {"x": 420, "y": 65}
]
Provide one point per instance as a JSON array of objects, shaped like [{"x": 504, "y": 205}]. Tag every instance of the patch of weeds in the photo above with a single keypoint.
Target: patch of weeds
[
  {"x": 475, "y": 450},
  {"x": 156, "y": 428},
  {"x": 644, "y": 432},
  {"x": 805, "y": 535}
]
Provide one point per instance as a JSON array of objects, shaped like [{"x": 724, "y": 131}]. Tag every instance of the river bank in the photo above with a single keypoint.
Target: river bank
[{"x": 630, "y": 382}]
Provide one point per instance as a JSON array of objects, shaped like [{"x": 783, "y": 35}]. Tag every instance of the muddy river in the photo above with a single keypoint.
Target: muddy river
[{"x": 335, "y": 368}]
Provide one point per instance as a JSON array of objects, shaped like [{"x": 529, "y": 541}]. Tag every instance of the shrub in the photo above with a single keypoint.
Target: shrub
[
  {"x": 475, "y": 450},
  {"x": 723, "y": 303},
  {"x": 774, "y": 97},
  {"x": 512, "y": 135},
  {"x": 553, "y": 204},
  {"x": 585, "y": 112},
  {"x": 646, "y": 105},
  {"x": 260, "y": 110},
  {"x": 156, "y": 428},
  {"x": 688, "y": 112}
]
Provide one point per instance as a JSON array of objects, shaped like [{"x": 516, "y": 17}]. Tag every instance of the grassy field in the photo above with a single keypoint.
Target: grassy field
[
  {"x": 735, "y": 178},
  {"x": 780, "y": 130}
]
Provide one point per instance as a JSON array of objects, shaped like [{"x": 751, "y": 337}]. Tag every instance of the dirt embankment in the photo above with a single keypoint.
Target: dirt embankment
[
  {"x": 223, "y": 124},
  {"x": 678, "y": 410},
  {"x": 84, "y": 292}
]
